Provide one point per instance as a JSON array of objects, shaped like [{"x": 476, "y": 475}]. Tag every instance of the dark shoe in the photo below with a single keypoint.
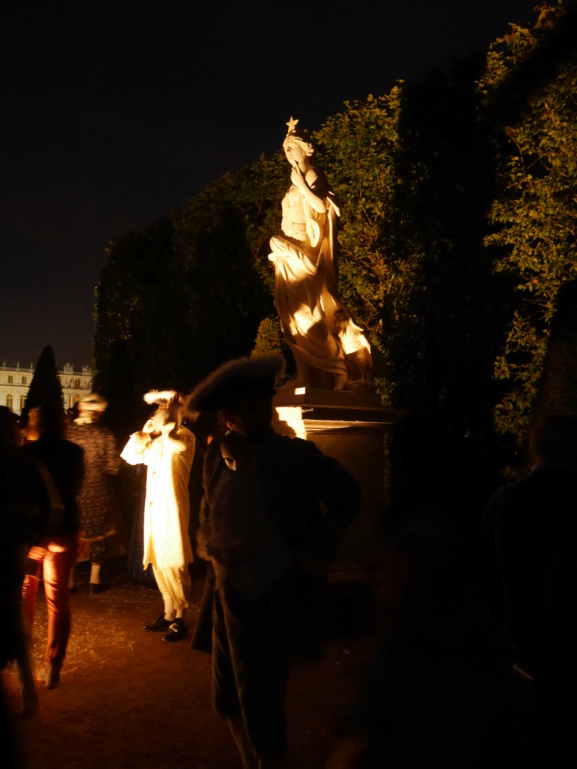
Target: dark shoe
[
  {"x": 177, "y": 631},
  {"x": 159, "y": 624},
  {"x": 98, "y": 587}
]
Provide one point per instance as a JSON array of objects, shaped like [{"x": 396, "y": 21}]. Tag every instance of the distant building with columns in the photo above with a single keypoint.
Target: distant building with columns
[{"x": 15, "y": 381}]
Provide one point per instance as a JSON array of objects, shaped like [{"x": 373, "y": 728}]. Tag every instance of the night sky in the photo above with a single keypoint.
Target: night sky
[{"x": 114, "y": 113}]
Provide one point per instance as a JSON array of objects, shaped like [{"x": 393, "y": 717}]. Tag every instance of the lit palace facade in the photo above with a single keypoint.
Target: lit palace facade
[{"x": 15, "y": 381}]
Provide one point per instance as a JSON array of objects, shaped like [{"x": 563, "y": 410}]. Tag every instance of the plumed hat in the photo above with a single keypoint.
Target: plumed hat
[
  {"x": 161, "y": 397},
  {"x": 92, "y": 402},
  {"x": 235, "y": 379}
]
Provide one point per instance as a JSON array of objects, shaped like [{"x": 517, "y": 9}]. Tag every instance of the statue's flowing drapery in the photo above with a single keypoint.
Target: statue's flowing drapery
[{"x": 317, "y": 327}]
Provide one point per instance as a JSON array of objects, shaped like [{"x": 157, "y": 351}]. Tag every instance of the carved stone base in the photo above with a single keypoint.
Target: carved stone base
[{"x": 350, "y": 427}]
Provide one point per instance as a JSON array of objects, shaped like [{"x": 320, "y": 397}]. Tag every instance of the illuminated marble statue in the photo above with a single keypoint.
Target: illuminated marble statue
[{"x": 330, "y": 350}]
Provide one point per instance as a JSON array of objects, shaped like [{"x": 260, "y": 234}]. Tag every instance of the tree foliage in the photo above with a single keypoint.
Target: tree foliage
[
  {"x": 441, "y": 333},
  {"x": 45, "y": 387},
  {"x": 269, "y": 338},
  {"x": 356, "y": 149},
  {"x": 141, "y": 302},
  {"x": 558, "y": 387},
  {"x": 530, "y": 86},
  {"x": 184, "y": 294}
]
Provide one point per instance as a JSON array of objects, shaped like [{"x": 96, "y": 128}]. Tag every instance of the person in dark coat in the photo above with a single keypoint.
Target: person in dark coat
[
  {"x": 24, "y": 509},
  {"x": 62, "y": 466},
  {"x": 436, "y": 688},
  {"x": 534, "y": 525},
  {"x": 274, "y": 511}
]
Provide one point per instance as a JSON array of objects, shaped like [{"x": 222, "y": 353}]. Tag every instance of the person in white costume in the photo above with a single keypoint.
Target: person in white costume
[{"x": 167, "y": 448}]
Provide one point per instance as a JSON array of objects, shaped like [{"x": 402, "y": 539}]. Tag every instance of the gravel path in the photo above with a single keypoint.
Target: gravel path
[{"x": 127, "y": 700}]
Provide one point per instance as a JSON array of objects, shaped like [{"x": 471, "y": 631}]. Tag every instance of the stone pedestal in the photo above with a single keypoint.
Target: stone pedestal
[{"x": 349, "y": 427}]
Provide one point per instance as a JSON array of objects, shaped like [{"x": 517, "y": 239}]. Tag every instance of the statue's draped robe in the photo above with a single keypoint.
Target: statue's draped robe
[{"x": 316, "y": 325}]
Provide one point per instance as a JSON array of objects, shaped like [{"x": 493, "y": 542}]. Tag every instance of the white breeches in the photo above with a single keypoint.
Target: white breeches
[{"x": 174, "y": 585}]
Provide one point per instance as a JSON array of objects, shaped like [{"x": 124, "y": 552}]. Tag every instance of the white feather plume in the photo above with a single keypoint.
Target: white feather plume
[{"x": 161, "y": 397}]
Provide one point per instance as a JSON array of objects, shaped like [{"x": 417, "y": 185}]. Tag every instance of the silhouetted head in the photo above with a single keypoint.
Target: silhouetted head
[
  {"x": 553, "y": 440},
  {"x": 9, "y": 431},
  {"x": 91, "y": 407},
  {"x": 51, "y": 420}
]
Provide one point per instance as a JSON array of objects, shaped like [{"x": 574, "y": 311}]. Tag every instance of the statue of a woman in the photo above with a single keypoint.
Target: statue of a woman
[{"x": 330, "y": 350}]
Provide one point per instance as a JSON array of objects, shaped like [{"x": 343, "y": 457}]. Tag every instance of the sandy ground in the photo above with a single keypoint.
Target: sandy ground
[{"x": 128, "y": 700}]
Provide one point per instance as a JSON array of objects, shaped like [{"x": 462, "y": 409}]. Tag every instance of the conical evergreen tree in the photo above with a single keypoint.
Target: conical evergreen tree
[{"x": 45, "y": 386}]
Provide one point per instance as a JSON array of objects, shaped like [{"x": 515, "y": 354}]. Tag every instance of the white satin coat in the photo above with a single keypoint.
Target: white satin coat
[{"x": 167, "y": 507}]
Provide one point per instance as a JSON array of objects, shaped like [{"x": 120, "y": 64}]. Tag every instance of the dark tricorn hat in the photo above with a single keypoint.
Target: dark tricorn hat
[{"x": 233, "y": 380}]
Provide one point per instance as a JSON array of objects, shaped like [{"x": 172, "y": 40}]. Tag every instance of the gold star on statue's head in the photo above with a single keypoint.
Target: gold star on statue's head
[
  {"x": 292, "y": 124},
  {"x": 298, "y": 135}
]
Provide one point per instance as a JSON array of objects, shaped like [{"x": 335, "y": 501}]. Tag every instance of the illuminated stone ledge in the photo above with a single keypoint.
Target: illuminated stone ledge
[
  {"x": 300, "y": 395},
  {"x": 304, "y": 411}
]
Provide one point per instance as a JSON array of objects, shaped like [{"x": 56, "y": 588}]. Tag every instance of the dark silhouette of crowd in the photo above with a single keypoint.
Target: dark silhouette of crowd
[
  {"x": 474, "y": 587},
  {"x": 437, "y": 687}
]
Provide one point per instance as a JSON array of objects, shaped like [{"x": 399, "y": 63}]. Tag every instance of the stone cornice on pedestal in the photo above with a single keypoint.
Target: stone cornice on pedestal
[{"x": 307, "y": 411}]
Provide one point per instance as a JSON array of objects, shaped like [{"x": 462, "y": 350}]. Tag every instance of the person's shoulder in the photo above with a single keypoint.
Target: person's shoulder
[
  {"x": 511, "y": 502},
  {"x": 181, "y": 441},
  {"x": 212, "y": 454},
  {"x": 74, "y": 449},
  {"x": 103, "y": 430},
  {"x": 501, "y": 498},
  {"x": 292, "y": 442},
  {"x": 297, "y": 447},
  {"x": 504, "y": 492},
  {"x": 78, "y": 433},
  {"x": 185, "y": 435}
]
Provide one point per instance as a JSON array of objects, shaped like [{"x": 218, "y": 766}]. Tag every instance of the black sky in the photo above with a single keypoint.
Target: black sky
[{"x": 114, "y": 113}]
